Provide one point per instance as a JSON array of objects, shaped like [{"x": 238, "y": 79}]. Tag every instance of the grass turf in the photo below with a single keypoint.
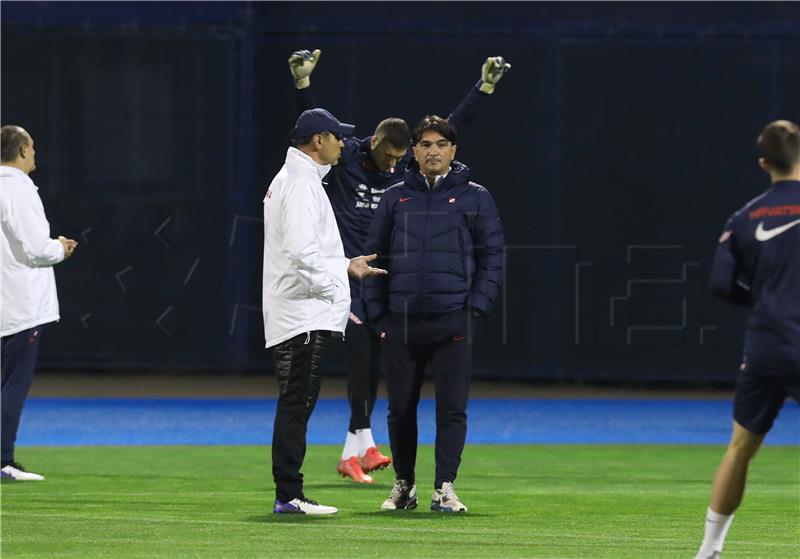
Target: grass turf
[{"x": 525, "y": 501}]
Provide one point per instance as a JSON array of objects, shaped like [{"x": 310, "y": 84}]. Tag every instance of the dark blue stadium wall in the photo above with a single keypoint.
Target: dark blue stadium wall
[{"x": 616, "y": 148}]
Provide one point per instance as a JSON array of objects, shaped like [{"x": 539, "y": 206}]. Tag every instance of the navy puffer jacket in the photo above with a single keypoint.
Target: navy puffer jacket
[{"x": 443, "y": 247}]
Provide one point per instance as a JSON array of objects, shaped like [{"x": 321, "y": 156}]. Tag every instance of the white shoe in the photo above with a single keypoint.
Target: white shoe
[
  {"x": 446, "y": 500},
  {"x": 302, "y": 505},
  {"x": 715, "y": 555},
  {"x": 403, "y": 496},
  {"x": 16, "y": 472}
]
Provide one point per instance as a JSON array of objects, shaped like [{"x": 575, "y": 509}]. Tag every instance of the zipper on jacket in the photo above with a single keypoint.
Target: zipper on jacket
[{"x": 425, "y": 247}]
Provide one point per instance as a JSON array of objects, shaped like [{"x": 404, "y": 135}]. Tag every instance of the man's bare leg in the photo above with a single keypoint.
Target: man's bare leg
[{"x": 728, "y": 488}]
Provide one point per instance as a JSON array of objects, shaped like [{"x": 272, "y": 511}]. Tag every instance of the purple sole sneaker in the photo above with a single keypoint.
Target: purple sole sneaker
[
  {"x": 286, "y": 508},
  {"x": 302, "y": 505}
]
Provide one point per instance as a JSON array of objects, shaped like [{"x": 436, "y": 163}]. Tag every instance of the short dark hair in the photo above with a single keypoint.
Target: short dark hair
[
  {"x": 395, "y": 132},
  {"x": 779, "y": 145},
  {"x": 297, "y": 142},
  {"x": 433, "y": 123},
  {"x": 12, "y": 138}
]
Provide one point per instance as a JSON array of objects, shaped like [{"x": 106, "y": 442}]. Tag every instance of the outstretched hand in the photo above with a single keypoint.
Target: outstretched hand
[
  {"x": 492, "y": 71},
  {"x": 301, "y": 64},
  {"x": 359, "y": 267}
]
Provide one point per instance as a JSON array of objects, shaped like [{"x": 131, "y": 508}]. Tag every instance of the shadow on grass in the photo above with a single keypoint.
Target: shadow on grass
[
  {"x": 350, "y": 486},
  {"x": 400, "y": 516},
  {"x": 421, "y": 514},
  {"x": 284, "y": 518}
]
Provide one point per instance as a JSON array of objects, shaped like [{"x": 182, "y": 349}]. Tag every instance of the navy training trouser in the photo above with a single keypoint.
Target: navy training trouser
[
  {"x": 17, "y": 361},
  {"x": 443, "y": 343}
]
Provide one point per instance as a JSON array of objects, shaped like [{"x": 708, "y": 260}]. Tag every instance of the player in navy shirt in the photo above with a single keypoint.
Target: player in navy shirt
[
  {"x": 757, "y": 265},
  {"x": 355, "y": 186}
]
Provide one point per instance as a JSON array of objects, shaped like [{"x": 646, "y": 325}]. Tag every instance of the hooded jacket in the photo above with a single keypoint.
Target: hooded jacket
[
  {"x": 443, "y": 246},
  {"x": 305, "y": 271}
]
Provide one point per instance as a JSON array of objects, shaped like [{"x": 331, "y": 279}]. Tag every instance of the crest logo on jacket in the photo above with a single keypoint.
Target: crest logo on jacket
[
  {"x": 364, "y": 198},
  {"x": 452, "y": 200}
]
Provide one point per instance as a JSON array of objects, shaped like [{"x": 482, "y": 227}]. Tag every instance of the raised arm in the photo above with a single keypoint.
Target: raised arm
[
  {"x": 464, "y": 114},
  {"x": 301, "y": 65}
]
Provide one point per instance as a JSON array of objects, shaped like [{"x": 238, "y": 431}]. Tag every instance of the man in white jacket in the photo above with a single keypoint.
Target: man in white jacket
[
  {"x": 306, "y": 294},
  {"x": 28, "y": 298}
]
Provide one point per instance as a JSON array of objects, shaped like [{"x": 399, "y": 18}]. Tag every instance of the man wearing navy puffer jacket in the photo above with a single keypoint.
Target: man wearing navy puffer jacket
[{"x": 440, "y": 237}]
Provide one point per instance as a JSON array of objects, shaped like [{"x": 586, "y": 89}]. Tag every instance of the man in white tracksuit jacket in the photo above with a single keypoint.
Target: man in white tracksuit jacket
[
  {"x": 306, "y": 294},
  {"x": 28, "y": 299}
]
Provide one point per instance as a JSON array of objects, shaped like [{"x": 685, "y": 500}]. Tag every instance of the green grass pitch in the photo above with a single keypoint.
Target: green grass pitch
[{"x": 525, "y": 501}]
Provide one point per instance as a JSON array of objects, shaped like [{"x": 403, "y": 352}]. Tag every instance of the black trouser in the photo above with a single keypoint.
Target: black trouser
[
  {"x": 17, "y": 362},
  {"x": 364, "y": 358},
  {"x": 442, "y": 342},
  {"x": 297, "y": 366}
]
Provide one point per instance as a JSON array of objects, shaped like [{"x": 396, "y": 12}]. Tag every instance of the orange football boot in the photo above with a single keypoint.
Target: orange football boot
[
  {"x": 374, "y": 460},
  {"x": 352, "y": 469}
]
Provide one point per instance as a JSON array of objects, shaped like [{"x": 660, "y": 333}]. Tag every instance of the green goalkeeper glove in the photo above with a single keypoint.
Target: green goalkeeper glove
[
  {"x": 491, "y": 72},
  {"x": 301, "y": 64}
]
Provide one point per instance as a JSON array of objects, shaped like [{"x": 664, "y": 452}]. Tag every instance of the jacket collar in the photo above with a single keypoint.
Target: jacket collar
[
  {"x": 6, "y": 171},
  {"x": 786, "y": 183},
  {"x": 458, "y": 174},
  {"x": 365, "y": 147},
  {"x": 294, "y": 154}
]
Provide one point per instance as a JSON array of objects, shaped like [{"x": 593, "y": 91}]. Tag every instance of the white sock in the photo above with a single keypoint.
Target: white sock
[
  {"x": 717, "y": 526},
  {"x": 350, "y": 446},
  {"x": 365, "y": 440}
]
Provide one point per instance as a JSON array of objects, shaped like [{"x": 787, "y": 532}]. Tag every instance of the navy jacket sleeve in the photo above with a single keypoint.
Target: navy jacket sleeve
[
  {"x": 725, "y": 274},
  {"x": 489, "y": 247},
  {"x": 305, "y": 99},
  {"x": 464, "y": 114},
  {"x": 376, "y": 289}
]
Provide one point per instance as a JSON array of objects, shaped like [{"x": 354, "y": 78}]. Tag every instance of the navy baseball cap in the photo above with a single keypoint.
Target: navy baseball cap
[{"x": 316, "y": 121}]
